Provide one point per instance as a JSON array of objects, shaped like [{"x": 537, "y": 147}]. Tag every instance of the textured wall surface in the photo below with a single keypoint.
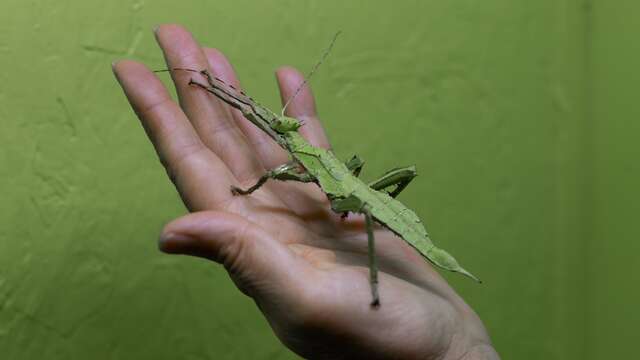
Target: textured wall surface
[
  {"x": 486, "y": 97},
  {"x": 614, "y": 252}
]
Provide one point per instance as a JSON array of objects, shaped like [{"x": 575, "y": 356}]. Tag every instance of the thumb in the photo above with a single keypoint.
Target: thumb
[{"x": 254, "y": 259}]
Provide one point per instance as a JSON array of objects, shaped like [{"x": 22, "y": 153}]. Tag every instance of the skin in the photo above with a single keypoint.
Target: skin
[{"x": 283, "y": 246}]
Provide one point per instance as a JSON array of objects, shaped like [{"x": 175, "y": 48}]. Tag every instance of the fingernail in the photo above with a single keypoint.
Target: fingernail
[
  {"x": 170, "y": 242},
  {"x": 155, "y": 29}
]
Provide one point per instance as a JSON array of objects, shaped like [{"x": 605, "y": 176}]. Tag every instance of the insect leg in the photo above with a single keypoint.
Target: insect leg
[
  {"x": 355, "y": 165},
  {"x": 354, "y": 204},
  {"x": 373, "y": 264},
  {"x": 200, "y": 85},
  {"x": 288, "y": 171},
  {"x": 398, "y": 177},
  {"x": 237, "y": 99},
  {"x": 245, "y": 109}
]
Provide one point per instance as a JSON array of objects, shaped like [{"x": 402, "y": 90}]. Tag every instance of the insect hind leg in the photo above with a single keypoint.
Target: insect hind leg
[
  {"x": 354, "y": 204},
  {"x": 398, "y": 177},
  {"x": 373, "y": 263}
]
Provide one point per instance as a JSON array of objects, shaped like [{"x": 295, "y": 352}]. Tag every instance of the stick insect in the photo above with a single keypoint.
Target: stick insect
[{"x": 338, "y": 180}]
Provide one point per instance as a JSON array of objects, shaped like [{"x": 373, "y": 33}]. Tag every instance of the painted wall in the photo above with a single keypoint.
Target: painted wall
[
  {"x": 491, "y": 99},
  {"x": 614, "y": 252}
]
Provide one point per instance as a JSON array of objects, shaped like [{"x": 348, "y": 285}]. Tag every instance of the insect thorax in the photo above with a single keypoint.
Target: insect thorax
[{"x": 285, "y": 124}]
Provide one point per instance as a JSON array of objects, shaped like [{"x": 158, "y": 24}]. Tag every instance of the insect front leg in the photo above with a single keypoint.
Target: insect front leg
[
  {"x": 200, "y": 85},
  {"x": 288, "y": 171},
  {"x": 400, "y": 177}
]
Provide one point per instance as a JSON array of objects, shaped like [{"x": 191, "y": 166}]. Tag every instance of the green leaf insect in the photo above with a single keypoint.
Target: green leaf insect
[{"x": 337, "y": 179}]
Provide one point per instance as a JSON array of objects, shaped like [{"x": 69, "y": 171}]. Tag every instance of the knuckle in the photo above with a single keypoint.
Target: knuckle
[{"x": 148, "y": 109}]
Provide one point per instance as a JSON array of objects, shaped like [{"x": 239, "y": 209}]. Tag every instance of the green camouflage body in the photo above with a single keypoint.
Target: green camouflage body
[
  {"x": 338, "y": 182},
  {"x": 332, "y": 175}
]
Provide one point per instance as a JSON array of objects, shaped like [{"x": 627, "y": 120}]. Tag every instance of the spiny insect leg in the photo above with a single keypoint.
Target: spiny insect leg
[
  {"x": 208, "y": 76},
  {"x": 263, "y": 179},
  {"x": 289, "y": 171},
  {"x": 200, "y": 85},
  {"x": 355, "y": 204},
  {"x": 373, "y": 263},
  {"x": 400, "y": 177},
  {"x": 210, "y": 79}
]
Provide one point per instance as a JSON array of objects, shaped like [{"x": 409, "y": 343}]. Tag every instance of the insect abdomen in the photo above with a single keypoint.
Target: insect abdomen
[{"x": 406, "y": 224}]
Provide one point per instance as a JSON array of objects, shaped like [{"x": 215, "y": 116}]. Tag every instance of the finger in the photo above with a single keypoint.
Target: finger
[
  {"x": 306, "y": 200},
  {"x": 255, "y": 260},
  {"x": 191, "y": 166},
  {"x": 211, "y": 118},
  {"x": 267, "y": 151},
  {"x": 303, "y": 107},
  {"x": 265, "y": 148}
]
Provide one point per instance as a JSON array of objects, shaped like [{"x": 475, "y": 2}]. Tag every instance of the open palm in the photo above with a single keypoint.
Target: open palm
[{"x": 305, "y": 267}]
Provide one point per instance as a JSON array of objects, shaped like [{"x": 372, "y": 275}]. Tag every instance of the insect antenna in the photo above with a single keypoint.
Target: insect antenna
[
  {"x": 181, "y": 69},
  {"x": 313, "y": 70}
]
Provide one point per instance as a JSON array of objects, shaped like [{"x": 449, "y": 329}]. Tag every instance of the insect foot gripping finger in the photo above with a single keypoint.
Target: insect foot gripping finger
[
  {"x": 269, "y": 174},
  {"x": 238, "y": 191}
]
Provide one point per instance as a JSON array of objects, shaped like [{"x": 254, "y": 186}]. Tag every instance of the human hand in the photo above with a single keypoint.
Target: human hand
[{"x": 305, "y": 268}]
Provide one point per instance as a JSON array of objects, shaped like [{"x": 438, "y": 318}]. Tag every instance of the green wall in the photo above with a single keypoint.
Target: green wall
[
  {"x": 519, "y": 115},
  {"x": 614, "y": 252}
]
